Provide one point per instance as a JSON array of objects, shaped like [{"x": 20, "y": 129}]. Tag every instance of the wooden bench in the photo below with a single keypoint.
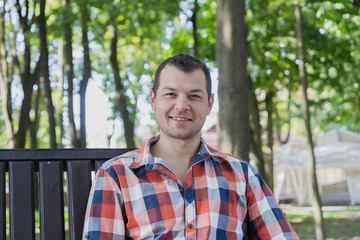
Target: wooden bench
[{"x": 17, "y": 170}]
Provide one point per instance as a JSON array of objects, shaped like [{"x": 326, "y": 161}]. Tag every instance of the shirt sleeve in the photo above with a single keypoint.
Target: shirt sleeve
[
  {"x": 266, "y": 220},
  {"x": 104, "y": 218}
]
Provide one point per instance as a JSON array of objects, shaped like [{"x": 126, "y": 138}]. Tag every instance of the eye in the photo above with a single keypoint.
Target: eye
[
  {"x": 195, "y": 96},
  {"x": 170, "y": 94}
]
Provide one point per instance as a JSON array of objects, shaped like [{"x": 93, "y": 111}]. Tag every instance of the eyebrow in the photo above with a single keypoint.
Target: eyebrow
[
  {"x": 197, "y": 90},
  {"x": 168, "y": 88}
]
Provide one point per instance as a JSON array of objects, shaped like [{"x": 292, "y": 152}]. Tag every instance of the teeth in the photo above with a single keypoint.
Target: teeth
[{"x": 180, "y": 119}]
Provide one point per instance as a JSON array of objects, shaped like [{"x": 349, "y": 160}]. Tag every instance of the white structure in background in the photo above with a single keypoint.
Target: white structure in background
[
  {"x": 208, "y": 131},
  {"x": 337, "y": 155}
]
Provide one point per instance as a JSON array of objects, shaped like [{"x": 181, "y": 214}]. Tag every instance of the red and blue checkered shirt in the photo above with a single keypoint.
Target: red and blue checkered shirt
[{"x": 135, "y": 196}]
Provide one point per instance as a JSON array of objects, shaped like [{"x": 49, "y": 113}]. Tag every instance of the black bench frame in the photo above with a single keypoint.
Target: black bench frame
[{"x": 22, "y": 164}]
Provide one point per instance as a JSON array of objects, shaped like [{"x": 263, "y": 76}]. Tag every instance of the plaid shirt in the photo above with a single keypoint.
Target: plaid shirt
[{"x": 136, "y": 196}]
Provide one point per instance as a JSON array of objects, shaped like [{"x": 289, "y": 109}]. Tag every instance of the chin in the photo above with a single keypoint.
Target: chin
[{"x": 185, "y": 136}]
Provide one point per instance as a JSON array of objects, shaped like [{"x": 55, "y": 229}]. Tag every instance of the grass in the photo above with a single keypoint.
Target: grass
[{"x": 340, "y": 222}]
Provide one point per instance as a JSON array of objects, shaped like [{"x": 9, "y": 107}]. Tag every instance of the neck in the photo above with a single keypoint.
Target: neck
[
  {"x": 177, "y": 154},
  {"x": 170, "y": 148}
]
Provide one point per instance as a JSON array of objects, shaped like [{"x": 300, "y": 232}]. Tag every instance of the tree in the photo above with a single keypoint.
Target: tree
[
  {"x": 195, "y": 30},
  {"x": 28, "y": 78},
  {"x": 69, "y": 70},
  {"x": 279, "y": 124},
  {"x": 60, "y": 98},
  {"x": 256, "y": 131},
  {"x": 44, "y": 72},
  {"x": 319, "y": 222},
  {"x": 331, "y": 33},
  {"x": 270, "y": 138},
  {"x": 234, "y": 132},
  {"x": 197, "y": 35},
  {"x": 35, "y": 121},
  {"x": 121, "y": 99},
  {"x": 84, "y": 19},
  {"x": 5, "y": 84}
]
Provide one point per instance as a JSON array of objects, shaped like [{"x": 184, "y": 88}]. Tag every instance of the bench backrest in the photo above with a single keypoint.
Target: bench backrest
[{"x": 19, "y": 166}]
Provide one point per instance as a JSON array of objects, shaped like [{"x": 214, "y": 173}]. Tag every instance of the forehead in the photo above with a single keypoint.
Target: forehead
[{"x": 172, "y": 75}]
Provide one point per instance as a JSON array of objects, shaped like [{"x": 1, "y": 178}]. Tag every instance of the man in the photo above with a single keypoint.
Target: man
[{"x": 177, "y": 187}]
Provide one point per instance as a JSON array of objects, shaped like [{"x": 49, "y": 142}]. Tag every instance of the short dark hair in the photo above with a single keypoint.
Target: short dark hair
[{"x": 186, "y": 63}]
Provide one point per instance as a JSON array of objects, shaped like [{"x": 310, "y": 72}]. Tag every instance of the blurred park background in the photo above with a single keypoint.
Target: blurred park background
[{"x": 286, "y": 74}]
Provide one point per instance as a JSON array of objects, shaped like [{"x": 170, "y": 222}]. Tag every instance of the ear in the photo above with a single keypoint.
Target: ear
[
  {"x": 211, "y": 103},
  {"x": 152, "y": 99}
]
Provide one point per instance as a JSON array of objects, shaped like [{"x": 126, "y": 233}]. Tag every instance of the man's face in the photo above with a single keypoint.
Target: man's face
[{"x": 181, "y": 103}]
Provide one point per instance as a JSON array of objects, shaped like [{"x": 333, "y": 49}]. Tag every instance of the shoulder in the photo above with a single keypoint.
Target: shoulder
[
  {"x": 236, "y": 163},
  {"x": 119, "y": 162}
]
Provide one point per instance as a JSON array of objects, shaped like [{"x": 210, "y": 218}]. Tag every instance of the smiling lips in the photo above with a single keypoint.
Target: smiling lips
[{"x": 180, "y": 119}]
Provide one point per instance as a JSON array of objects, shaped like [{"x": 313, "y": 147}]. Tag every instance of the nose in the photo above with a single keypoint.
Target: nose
[{"x": 182, "y": 103}]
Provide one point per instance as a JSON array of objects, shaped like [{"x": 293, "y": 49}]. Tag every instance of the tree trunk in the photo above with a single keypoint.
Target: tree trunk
[
  {"x": 44, "y": 73},
  {"x": 270, "y": 136},
  {"x": 84, "y": 12},
  {"x": 69, "y": 71},
  {"x": 16, "y": 70},
  {"x": 278, "y": 125},
  {"x": 234, "y": 126},
  {"x": 5, "y": 85},
  {"x": 256, "y": 142},
  {"x": 195, "y": 30},
  {"x": 356, "y": 3},
  {"x": 121, "y": 99},
  {"x": 60, "y": 99},
  {"x": 27, "y": 78},
  {"x": 316, "y": 201},
  {"x": 34, "y": 126}
]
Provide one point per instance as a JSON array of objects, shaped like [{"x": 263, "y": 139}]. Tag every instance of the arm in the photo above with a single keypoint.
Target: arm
[
  {"x": 104, "y": 217},
  {"x": 265, "y": 218}
]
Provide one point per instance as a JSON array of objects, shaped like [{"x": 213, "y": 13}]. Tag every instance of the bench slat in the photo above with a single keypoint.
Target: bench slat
[
  {"x": 22, "y": 216},
  {"x": 2, "y": 202},
  {"x": 51, "y": 200},
  {"x": 79, "y": 177}
]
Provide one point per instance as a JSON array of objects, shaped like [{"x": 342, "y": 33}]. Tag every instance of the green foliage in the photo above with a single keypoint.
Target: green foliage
[
  {"x": 149, "y": 31},
  {"x": 137, "y": 49},
  {"x": 180, "y": 36},
  {"x": 334, "y": 63},
  {"x": 332, "y": 45}
]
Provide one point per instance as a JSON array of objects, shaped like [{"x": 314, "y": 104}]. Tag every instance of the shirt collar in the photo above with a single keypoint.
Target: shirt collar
[{"x": 143, "y": 156}]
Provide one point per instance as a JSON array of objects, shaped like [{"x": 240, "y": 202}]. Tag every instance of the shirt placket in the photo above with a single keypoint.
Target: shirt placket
[{"x": 190, "y": 211}]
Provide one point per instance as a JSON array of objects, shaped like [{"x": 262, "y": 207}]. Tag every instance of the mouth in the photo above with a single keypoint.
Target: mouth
[{"x": 181, "y": 119}]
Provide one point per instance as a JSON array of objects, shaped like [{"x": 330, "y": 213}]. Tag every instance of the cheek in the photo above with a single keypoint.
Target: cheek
[
  {"x": 203, "y": 109},
  {"x": 160, "y": 108}
]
